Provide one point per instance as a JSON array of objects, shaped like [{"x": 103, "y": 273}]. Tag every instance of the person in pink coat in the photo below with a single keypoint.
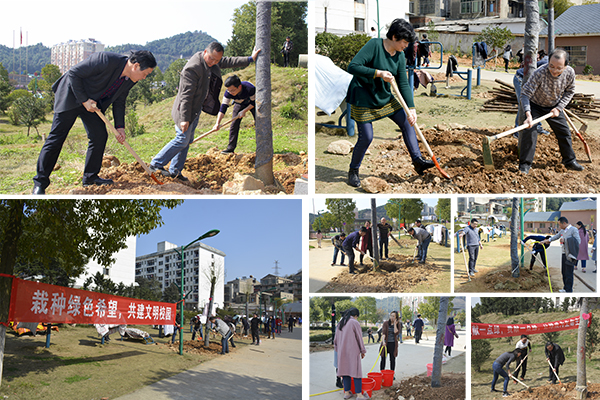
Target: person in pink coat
[
  {"x": 350, "y": 348},
  {"x": 449, "y": 336},
  {"x": 583, "y": 245}
]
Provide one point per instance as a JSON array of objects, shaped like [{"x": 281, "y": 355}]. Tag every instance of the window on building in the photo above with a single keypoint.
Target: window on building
[
  {"x": 470, "y": 6},
  {"x": 577, "y": 55},
  {"x": 359, "y": 24},
  {"x": 530, "y": 225},
  {"x": 160, "y": 263},
  {"x": 160, "y": 270},
  {"x": 411, "y": 7},
  {"x": 426, "y": 7},
  {"x": 542, "y": 225},
  {"x": 360, "y": 1},
  {"x": 106, "y": 271}
]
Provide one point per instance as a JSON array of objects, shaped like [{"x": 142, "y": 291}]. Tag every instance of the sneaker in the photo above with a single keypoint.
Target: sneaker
[
  {"x": 524, "y": 168},
  {"x": 180, "y": 177},
  {"x": 562, "y": 291},
  {"x": 475, "y": 271},
  {"x": 160, "y": 170},
  {"x": 471, "y": 274},
  {"x": 505, "y": 394}
]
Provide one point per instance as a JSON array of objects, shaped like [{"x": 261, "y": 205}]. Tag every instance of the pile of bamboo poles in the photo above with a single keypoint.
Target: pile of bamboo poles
[{"x": 505, "y": 100}]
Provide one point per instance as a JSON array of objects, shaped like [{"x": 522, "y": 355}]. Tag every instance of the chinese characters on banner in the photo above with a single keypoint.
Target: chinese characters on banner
[
  {"x": 41, "y": 302},
  {"x": 488, "y": 331}
]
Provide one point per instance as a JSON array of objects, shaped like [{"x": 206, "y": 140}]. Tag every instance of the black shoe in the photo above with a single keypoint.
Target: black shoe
[
  {"x": 524, "y": 168},
  {"x": 98, "y": 182},
  {"x": 180, "y": 177},
  {"x": 353, "y": 179},
  {"x": 422, "y": 164},
  {"x": 493, "y": 390},
  {"x": 38, "y": 190},
  {"x": 338, "y": 382},
  {"x": 227, "y": 152},
  {"x": 574, "y": 166},
  {"x": 160, "y": 170}
]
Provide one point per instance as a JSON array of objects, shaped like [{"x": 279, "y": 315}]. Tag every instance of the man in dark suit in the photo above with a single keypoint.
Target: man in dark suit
[
  {"x": 95, "y": 83},
  {"x": 556, "y": 357},
  {"x": 199, "y": 88}
]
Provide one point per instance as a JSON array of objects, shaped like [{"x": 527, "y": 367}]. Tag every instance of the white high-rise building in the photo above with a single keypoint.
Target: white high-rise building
[
  {"x": 123, "y": 270},
  {"x": 67, "y": 54},
  {"x": 199, "y": 259}
]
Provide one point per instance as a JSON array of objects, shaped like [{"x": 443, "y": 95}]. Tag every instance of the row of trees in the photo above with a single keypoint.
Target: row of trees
[
  {"x": 340, "y": 213},
  {"x": 519, "y": 305}
]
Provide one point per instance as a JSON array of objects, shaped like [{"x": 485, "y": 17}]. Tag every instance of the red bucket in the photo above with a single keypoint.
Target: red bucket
[
  {"x": 368, "y": 384},
  {"x": 352, "y": 389},
  {"x": 388, "y": 377},
  {"x": 377, "y": 376},
  {"x": 429, "y": 369}
]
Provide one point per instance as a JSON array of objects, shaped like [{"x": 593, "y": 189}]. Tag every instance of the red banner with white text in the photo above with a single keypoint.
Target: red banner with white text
[
  {"x": 489, "y": 331},
  {"x": 41, "y": 302}
]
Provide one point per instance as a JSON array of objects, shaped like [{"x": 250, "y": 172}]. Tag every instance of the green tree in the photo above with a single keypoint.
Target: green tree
[
  {"x": 410, "y": 209},
  {"x": 481, "y": 349},
  {"x": 325, "y": 43},
  {"x": 560, "y": 6},
  {"x": 147, "y": 289},
  {"x": 407, "y": 313},
  {"x": 287, "y": 19},
  {"x": 53, "y": 274},
  {"x": 5, "y": 89},
  {"x": 495, "y": 37},
  {"x": 431, "y": 307},
  {"x": 461, "y": 318},
  {"x": 432, "y": 34},
  {"x": 98, "y": 283},
  {"x": 30, "y": 111},
  {"x": 443, "y": 209},
  {"x": 171, "y": 77},
  {"x": 51, "y": 73},
  {"x": 342, "y": 305},
  {"x": 342, "y": 211},
  {"x": 368, "y": 308}
]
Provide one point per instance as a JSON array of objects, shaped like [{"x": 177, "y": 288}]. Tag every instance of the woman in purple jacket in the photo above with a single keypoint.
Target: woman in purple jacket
[{"x": 449, "y": 336}]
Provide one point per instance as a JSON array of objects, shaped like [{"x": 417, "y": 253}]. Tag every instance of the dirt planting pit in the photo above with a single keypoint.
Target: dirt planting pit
[
  {"x": 459, "y": 152},
  {"x": 419, "y": 388},
  {"x": 206, "y": 173},
  {"x": 398, "y": 273},
  {"x": 555, "y": 392},
  {"x": 197, "y": 347}
]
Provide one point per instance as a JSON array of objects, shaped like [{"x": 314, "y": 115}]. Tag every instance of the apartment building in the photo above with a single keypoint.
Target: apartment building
[{"x": 67, "y": 54}]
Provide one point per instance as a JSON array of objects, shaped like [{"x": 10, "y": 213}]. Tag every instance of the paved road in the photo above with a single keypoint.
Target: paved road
[
  {"x": 271, "y": 370},
  {"x": 412, "y": 360},
  {"x": 321, "y": 271},
  {"x": 585, "y": 87},
  {"x": 554, "y": 254}
]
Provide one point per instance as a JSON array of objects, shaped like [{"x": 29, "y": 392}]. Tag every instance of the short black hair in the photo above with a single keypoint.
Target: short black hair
[
  {"x": 418, "y": 221},
  {"x": 564, "y": 220},
  {"x": 401, "y": 29},
  {"x": 342, "y": 234},
  {"x": 233, "y": 80},
  {"x": 474, "y": 220},
  {"x": 559, "y": 53},
  {"x": 215, "y": 46},
  {"x": 411, "y": 230},
  {"x": 363, "y": 229},
  {"x": 144, "y": 58}
]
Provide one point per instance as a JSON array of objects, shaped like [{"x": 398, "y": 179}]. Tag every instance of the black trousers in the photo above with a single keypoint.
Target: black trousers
[
  {"x": 369, "y": 250},
  {"x": 255, "y": 338},
  {"x": 350, "y": 254},
  {"x": 61, "y": 125},
  {"x": 528, "y": 137},
  {"x": 391, "y": 349},
  {"x": 418, "y": 333},
  {"x": 551, "y": 376},
  {"x": 523, "y": 368},
  {"x": 542, "y": 255},
  {"x": 234, "y": 129}
]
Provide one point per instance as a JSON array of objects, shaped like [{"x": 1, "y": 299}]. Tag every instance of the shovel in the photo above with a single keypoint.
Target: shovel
[
  {"x": 516, "y": 380},
  {"x": 519, "y": 366},
  {"x": 418, "y": 130},
  {"x": 553, "y": 370},
  {"x": 223, "y": 125},
  {"x": 540, "y": 261},
  {"x": 584, "y": 126},
  {"x": 397, "y": 242},
  {"x": 585, "y": 145},
  {"x": 488, "y": 161},
  {"x": 462, "y": 249},
  {"x": 133, "y": 153}
]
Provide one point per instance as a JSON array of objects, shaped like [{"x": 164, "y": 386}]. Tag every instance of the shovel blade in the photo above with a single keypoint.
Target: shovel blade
[{"x": 488, "y": 161}]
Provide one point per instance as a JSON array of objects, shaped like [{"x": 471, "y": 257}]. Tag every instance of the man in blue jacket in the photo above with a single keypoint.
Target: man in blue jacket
[
  {"x": 95, "y": 83},
  {"x": 351, "y": 243}
]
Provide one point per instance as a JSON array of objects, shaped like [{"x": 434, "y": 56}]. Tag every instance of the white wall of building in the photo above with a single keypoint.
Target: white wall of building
[
  {"x": 206, "y": 260},
  {"x": 341, "y": 15},
  {"x": 123, "y": 270}
]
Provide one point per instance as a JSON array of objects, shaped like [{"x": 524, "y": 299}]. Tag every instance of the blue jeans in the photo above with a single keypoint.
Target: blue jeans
[
  {"x": 499, "y": 371},
  {"x": 335, "y": 254},
  {"x": 176, "y": 150},
  {"x": 422, "y": 255},
  {"x": 365, "y": 137},
  {"x": 347, "y": 381},
  {"x": 225, "y": 342},
  {"x": 174, "y": 334}
]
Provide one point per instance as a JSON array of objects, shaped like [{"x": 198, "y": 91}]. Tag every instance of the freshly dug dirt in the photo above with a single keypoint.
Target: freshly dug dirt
[
  {"x": 552, "y": 392},
  {"x": 419, "y": 388},
  {"x": 459, "y": 152},
  {"x": 398, "y": 274},
  {"x": 197, "y": 347},
  {"x": 206, "y": 173},
  {"x": 529, "y": 280}
]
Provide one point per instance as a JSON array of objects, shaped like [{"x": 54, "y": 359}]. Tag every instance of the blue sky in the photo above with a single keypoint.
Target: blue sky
[
  {"x": 137, "y": 22},
  {"x": 364, "y": 202},
  {"x": 254, "y": 233}
]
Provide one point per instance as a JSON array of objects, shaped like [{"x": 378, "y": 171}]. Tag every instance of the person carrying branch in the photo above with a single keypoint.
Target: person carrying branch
[
  {"x": 243, "y": 95},
  {"x": 370, "y": 95}
]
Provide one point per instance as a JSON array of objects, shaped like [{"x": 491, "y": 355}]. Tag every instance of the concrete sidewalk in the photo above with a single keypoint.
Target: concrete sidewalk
[
  {"x": 271, "y": 370},
  {"x": 554, "y": 254},
  {"x": 412, "y": 360},
  {"x": 321, "y": 271}
]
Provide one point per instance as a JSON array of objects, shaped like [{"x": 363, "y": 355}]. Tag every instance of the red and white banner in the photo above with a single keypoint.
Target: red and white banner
[
  {"x": 488, "y": 331},
  {"x": 41, "y": 302}
]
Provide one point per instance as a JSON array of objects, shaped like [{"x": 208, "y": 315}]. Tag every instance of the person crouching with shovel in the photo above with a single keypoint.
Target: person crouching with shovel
[
  {"x": 555, "y": 358},
  {"x": 504, "y": 361},
  {"x": 370, "y": 96}
]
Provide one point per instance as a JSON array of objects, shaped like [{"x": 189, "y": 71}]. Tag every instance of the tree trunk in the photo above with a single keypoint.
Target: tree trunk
[
  {"x": 264, "y": 132},
  {"x": 12, "y": 232},
  {"x": 210, "y": 306},
  {"x": 374, "y": 234},
  {"x": 514, "y": 237},
  {"x": 581, "y": 387},
  {"x": 436, "y": 375},
  {"x": 532, "y": 16},
  {"x": 550, "y": 26}
]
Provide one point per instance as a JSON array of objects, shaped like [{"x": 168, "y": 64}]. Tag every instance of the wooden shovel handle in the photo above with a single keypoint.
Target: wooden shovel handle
[
  {"x": 520, "y": 127},
  {"x": 580, "y": 136},
  {"x": 250, "y": 107},
  {"x": 572, "y": 114}
]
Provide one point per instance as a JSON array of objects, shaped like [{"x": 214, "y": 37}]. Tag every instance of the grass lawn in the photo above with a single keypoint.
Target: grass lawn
[
  {"x": 77, "y": 366},
  {"x": 537, "y": 367}
]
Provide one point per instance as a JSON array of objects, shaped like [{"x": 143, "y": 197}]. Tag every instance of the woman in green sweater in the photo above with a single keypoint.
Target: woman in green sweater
[{"x": 371, "y": 98}]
